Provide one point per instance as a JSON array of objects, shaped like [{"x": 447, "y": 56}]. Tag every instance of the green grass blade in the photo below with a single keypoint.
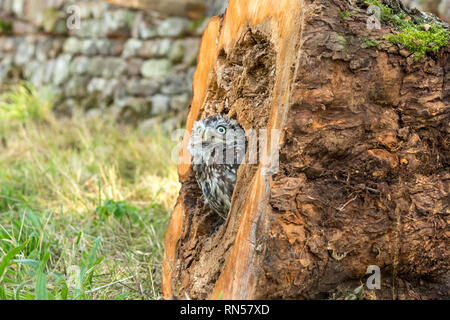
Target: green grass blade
[
  {"x": 41, "y": 280},
  {"x": 17, "y": 292},
  {"x": 8, "y": 257}
]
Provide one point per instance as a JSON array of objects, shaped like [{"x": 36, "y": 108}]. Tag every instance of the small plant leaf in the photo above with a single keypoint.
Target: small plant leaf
[{"x": 41, "y": 280}]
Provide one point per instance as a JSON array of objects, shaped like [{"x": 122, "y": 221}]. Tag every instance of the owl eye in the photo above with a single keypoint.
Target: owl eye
[{"x": 221, "y": 130}]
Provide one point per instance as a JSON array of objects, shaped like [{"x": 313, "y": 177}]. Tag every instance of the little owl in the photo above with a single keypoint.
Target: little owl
[{"x": 217, "y": 146}]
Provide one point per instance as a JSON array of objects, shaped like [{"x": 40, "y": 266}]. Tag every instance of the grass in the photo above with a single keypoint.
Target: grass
[
  {"x": 24, "y": 103},
  {"x": 84, "y": 204},
  {"x": 414, "y": 33}
]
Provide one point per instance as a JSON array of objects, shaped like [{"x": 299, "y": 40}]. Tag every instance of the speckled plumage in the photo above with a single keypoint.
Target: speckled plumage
[{"x": 216, "y": 157}]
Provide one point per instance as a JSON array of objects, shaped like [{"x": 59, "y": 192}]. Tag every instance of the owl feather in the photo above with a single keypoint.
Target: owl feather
[{"x": 217, "y": 146}]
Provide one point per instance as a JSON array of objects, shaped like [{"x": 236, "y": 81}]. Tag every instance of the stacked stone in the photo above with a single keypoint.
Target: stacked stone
[{"x": 129, "y": 61}]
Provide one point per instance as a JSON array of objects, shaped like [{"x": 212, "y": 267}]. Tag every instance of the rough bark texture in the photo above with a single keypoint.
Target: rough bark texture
[
  {"x": 364, "y": 161},
  {"x": 192, "y": 8}
]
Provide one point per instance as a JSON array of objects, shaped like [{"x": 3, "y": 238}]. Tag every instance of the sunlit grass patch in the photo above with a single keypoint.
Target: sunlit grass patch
[
  {"x": 26, "y": 103},
  {"x": 84, "y": 203}
]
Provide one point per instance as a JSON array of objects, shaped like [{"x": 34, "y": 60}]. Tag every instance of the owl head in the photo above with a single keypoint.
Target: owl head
[{"x": 217, "y": 140}]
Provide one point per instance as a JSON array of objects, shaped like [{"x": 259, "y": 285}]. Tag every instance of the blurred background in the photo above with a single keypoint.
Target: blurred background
[
  {"x": 89, "y": 94},
  {"x": 134, "y": 59}
]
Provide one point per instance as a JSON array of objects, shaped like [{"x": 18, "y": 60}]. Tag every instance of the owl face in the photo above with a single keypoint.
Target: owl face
[{"x": 217, "y": 139}]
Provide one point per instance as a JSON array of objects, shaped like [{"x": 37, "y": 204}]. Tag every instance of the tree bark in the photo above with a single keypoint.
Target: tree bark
[{"x": 363, "y": 176}]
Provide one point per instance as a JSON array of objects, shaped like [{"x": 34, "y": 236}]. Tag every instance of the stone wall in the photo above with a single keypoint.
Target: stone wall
[{"x": 137, "y": 64}]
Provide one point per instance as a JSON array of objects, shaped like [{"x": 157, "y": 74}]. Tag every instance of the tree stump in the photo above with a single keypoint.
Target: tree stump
[{"x": 361, "y": 130}]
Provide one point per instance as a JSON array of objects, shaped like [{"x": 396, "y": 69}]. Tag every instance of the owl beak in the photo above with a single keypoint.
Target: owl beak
[{"x": 208, "y": 135}]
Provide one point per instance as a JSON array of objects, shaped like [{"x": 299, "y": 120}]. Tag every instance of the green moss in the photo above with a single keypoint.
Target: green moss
[
  {"x": 349, "y": 38},
  {"x": 343, "y": 39},
  {"x": 370, "y": 43},
  {"x": 345, "y": 14},
  {"x": 5, "y": 27},
  {"x": 412, "y": 33}
]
